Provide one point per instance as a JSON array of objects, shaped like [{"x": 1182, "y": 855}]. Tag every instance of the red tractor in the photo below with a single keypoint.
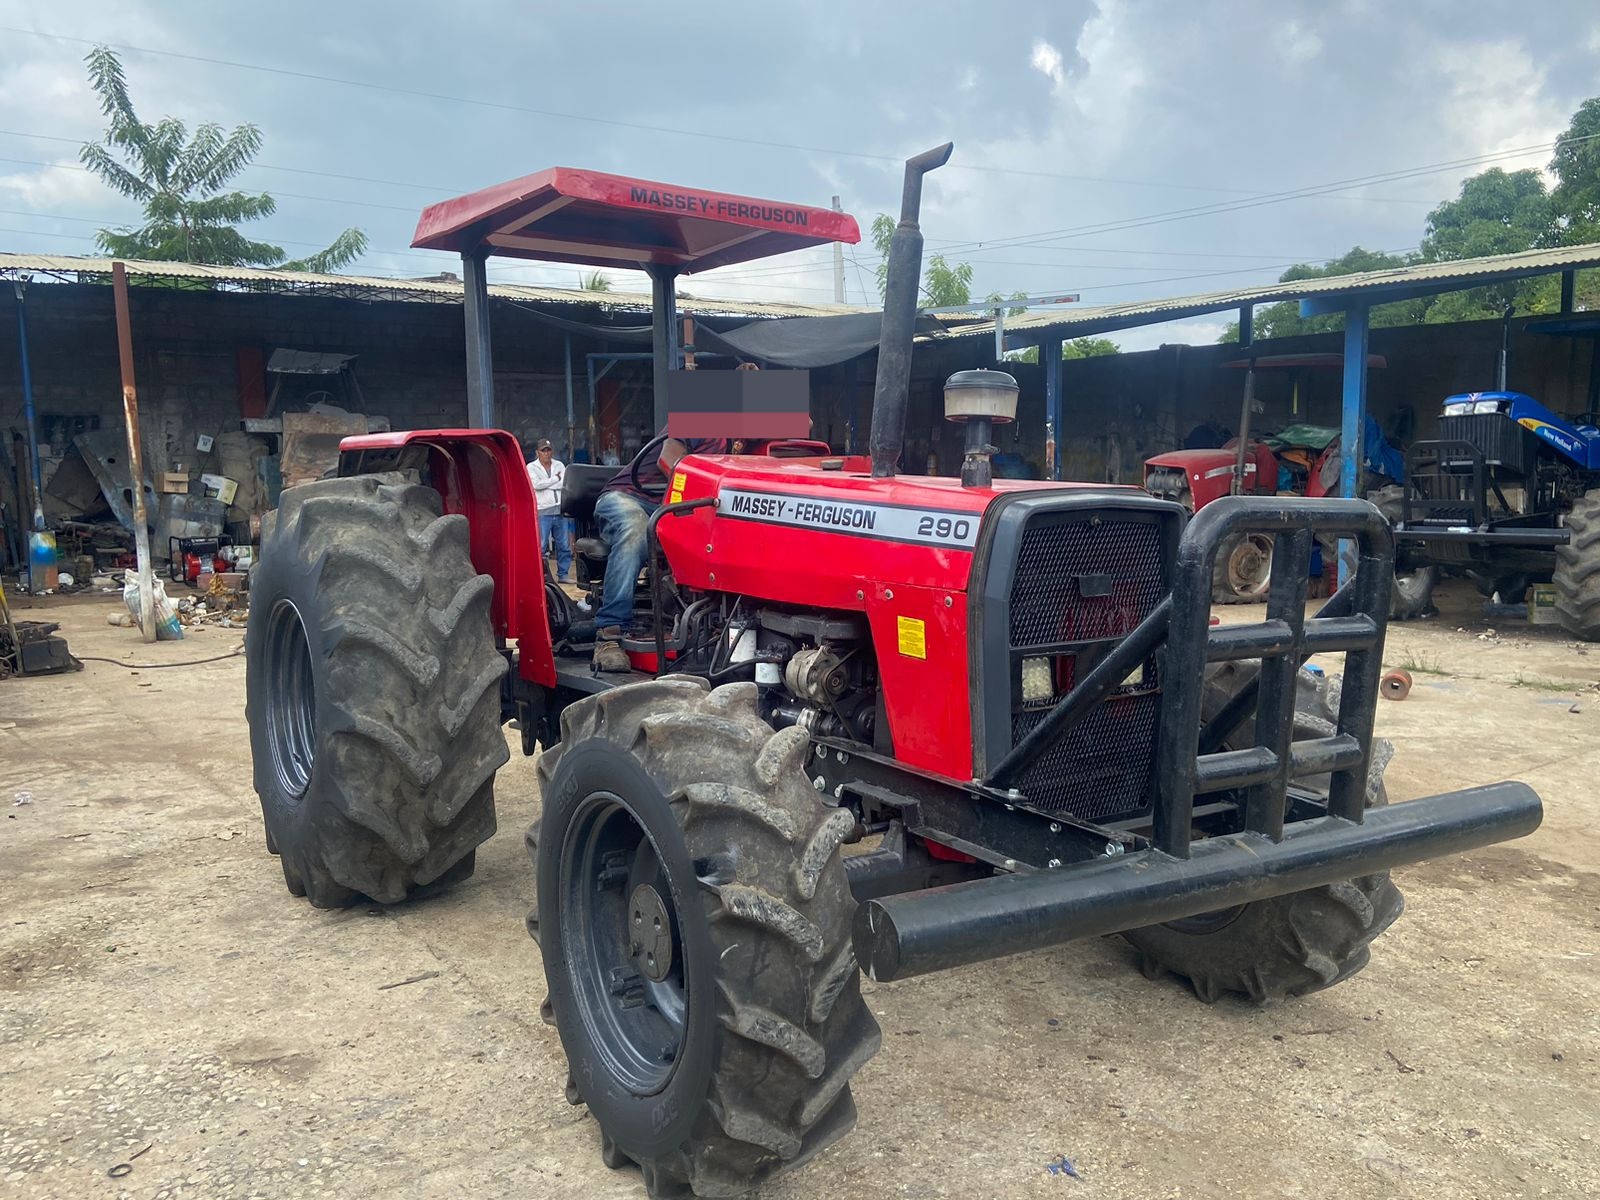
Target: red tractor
[
  {"x": 892, "y": 724},
  {"x": 1310, "y": 462}
]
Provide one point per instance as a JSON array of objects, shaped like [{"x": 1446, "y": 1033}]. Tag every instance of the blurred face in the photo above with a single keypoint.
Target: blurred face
[{"x": 545, "y": 455}]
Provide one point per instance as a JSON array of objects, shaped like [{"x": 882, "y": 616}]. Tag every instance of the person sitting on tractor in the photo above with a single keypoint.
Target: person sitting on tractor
[{"x": 622, "y": 514}]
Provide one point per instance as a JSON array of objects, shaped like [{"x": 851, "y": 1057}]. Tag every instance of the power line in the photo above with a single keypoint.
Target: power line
[
  {"x": 424, "y": 187},
  {"x": 43, "y": 216},
  {"x": 1035, "y": 240},
  {"x": 36, "y": 162},
  {"x": 594, "y": 120},
  {"x": 1278, "y": 198}
]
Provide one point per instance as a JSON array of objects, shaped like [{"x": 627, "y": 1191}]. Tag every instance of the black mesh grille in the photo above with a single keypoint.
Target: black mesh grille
[
  {"x": 1102, "y": 768},
  {"x": 1082, "y": 582},
  {"x": 1059, "y": 559},
  {"x": 1501, "y": 441}
]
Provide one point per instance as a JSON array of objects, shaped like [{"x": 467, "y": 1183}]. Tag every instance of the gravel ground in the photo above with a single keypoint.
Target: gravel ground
[{"x": 165, "y": 1004}]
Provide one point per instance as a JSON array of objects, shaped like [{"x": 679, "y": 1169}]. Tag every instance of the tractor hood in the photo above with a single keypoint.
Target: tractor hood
[
  {"x": 797, "y": 531},
  {"x": 1194, "y": 461}
]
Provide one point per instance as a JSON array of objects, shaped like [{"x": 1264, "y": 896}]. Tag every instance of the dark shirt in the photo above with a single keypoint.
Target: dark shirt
[{"x": 651, "y": 474}]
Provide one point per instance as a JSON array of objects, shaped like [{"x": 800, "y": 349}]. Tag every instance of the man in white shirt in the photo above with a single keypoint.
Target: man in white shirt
[{"x": 547, "y": 472}]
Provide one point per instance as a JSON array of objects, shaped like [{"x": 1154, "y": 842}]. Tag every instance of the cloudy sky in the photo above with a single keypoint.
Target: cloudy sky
[{"x": 1116, "y": 148}]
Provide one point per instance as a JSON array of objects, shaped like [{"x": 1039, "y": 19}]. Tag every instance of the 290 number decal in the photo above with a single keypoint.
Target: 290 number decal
[{"x": 957, "y": 528}]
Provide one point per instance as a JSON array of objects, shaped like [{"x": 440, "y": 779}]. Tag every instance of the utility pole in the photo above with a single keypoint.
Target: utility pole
[
  {"x": 838, "y": 263},
  {"x": 130, "y": 414}
]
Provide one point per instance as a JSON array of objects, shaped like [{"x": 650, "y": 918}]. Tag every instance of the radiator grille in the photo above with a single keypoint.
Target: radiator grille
[
  {"x": 1102, "y": 768},
  {"x": 1080, "y": 585},
  {"x": 1058, "y": 559}
]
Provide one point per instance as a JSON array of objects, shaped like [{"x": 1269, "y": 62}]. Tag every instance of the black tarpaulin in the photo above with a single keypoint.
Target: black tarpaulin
[{"x": 799, "y": 343}]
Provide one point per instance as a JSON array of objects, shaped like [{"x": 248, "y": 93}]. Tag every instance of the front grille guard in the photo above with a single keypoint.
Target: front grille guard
[
  {"x": 1436, "y": 473},
  {"x": 1189, "y": 758}
]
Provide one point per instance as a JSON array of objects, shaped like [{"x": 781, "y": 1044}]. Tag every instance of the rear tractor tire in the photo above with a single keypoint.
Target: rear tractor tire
[
  {"x": 1288, "y": 945},
  {"x": 1577, "y": 573},
  {"x": 1412, "y": 595},
  {"x": 372, "y": 688},
  {"x": 694, "y": 919}
]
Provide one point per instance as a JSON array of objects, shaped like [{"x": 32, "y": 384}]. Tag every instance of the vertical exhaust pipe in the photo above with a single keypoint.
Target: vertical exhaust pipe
[{"x": 900, "y": 317}]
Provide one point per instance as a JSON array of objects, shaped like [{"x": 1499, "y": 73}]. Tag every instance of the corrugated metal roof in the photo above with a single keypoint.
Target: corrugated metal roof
[
  {"x": 1375, "y": 286},
  {"x": 73, "y": 267}
]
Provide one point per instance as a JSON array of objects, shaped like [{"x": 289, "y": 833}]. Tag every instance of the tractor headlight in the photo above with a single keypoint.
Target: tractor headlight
[
  {"x": 1488, "y": 406},
  {"x": 1037, "y": 681},
  {"x": 1461, "y": 408}
]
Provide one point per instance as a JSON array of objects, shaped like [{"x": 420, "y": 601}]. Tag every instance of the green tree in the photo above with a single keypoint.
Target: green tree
[
  {"x": 943, "y": 283},
  {"x": 594, "y": 281},
  {"x": 997, "y": 299},
  {"x": 1084, "y": 347},
  {"x": 1497, "y": 212},
  {"x": 1284, "y": 320},
  {"x": 179, "y": 179},
  {"x": 1089, "y": 347},
  {"x": 1575, "y": 202},
  {"x": 946, "y": 284}
]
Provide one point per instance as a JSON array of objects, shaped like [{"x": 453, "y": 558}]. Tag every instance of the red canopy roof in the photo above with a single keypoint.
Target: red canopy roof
[{"x": 568, "y": 215}]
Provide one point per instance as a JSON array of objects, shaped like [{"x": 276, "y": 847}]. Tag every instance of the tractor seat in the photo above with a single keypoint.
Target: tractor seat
[
  {"x": 583, "y": 485},
  {"x": 593, "y": 548}
]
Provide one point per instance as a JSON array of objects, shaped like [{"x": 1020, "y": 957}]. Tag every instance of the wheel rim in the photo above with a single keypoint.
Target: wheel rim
[
  {"x": 1250, "y": 566},
  {"x": 621, "y": 939},
  {"x": 291, "y": 700}
]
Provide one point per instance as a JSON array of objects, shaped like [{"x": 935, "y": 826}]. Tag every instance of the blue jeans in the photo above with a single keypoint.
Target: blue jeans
[
  {"x": 553, "y": 531},
  {"x": 623, "y": 520}
]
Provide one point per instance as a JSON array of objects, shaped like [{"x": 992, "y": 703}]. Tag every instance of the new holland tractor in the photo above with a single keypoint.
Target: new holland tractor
[
  {"x": 877, "y": 722},
  {"x": 1509, "y": 493}
]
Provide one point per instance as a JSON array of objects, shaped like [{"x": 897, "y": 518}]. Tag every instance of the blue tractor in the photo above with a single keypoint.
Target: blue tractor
[{"x": 1509, "y": 495}]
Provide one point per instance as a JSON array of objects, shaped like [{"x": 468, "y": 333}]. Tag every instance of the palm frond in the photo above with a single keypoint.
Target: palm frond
[
  {"x": 347, "y": 247},
  {"x": 97, "y": 157}
]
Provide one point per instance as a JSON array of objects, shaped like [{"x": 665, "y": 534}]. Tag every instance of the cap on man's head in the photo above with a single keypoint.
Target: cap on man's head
[{"x": 544, "y": 444}]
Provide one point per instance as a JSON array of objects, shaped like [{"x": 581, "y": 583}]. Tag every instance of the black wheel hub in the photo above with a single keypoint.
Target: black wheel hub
[
  {"x": 652, "y": 933},
  {"x": 621, "y": 940}
]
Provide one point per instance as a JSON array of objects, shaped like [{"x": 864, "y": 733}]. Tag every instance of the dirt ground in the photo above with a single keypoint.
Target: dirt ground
[{"x": 164, "y": 1002}]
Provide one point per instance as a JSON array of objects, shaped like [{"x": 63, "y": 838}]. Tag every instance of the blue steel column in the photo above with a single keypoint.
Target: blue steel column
[
  {"x": 1354, "y": 421},
  {"x": 1050, "y": 359}
]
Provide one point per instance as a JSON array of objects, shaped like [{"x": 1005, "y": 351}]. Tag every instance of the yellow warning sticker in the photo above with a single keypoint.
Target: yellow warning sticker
[
  {"x": 678, "y": 480},
  {"x": 912, "y": 635}
]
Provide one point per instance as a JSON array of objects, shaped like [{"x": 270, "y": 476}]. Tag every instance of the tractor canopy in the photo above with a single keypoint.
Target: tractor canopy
[{"x": 568, "y": 215}]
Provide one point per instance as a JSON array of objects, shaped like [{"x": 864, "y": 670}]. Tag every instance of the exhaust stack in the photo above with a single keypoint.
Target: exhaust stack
[{"x": 900, "y": 317}]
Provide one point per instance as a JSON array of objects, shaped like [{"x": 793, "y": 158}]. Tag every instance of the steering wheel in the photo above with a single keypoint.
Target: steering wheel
[{"x": 650, "y": 453}]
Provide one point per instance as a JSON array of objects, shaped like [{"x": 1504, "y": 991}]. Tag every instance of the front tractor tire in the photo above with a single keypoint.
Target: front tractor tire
[
  {"x": 372, "y": 690},
  {"x": 694, "y": 920},
  {"x": 1577, "y": 573},
  {"x": 1288, "y": 945}
]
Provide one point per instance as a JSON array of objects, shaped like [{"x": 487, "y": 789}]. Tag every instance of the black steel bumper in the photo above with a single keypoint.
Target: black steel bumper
[
  {"x": 1534, "y": 539},
  {"x": 918, "y": 932},
  {"x": 1173, "y": 873}
]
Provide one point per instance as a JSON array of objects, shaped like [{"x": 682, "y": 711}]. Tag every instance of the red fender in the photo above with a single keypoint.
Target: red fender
[{"x": 480, "y": 474}]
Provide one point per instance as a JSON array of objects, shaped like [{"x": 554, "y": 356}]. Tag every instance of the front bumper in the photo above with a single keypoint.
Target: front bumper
[
  {"x": 918, "y": 932},
  {"x": 1420, "y": 536}
]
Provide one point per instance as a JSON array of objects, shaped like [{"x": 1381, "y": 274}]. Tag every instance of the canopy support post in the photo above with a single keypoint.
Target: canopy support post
[
  {"x": 663, "y": 334},
  {"x": 480, "y": 355}
]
